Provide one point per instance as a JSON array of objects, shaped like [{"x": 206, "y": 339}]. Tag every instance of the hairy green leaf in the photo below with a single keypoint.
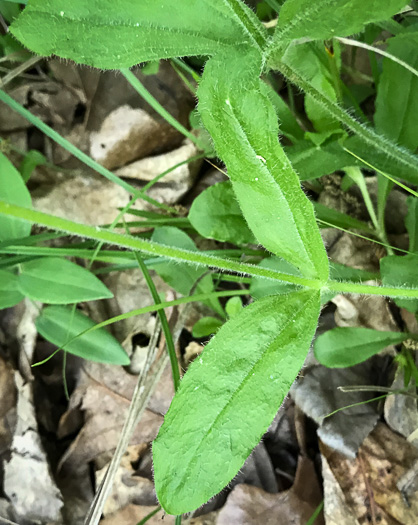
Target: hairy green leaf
[
  {"x": 325, "y": 19},
  {"x": 110, "y": 35},
  {"x": 14, "y": 191},
  {"x": 411, "y": 223},
  {"x": 311, "y": 161},
  {"x": 229, "y": 396},
  {"x": 215, "y": 214},
  {"x": 243, "y": 125},
  {"x": 57, "y": 281},
  {"x": 401, "y": 271},
  {"x": 9, "y": 290},
  {"x": 311, "y": 60},
  {"x": 58, "y": 324},
  {"x": 343, "y": 347},
  {"x": 397, "y": 94}
]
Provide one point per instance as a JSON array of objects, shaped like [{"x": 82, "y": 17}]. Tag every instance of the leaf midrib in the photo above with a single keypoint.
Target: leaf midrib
[{"x": 248, "y": 376}]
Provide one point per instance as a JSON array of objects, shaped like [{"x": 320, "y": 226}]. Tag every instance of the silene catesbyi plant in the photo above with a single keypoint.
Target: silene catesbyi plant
[{"x": 229, "y": 395}]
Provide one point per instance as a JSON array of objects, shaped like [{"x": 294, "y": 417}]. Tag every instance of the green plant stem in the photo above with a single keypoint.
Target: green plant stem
[
  {"x": 357, "y": 176},
  {"x": 368, "y": 135},
  {"x": 356, "y": 43},
  {"x": 149, "y": 516},
  {"x": 149, "y": 309},
  {"x": 252, "y": 28},
  {"x": 163, "y": 319},
  {"x": 133, "y": 243},
  {"x": 400, "y": 184},
  {"x": 192, "y": 257},
  {"x": 80, "y": 155},
  {"x": 385, "y": 244},
  {"x": 153, "y": 102},
  {"x": 178, "y": 520},
  {"x": 315, "y": 514}
]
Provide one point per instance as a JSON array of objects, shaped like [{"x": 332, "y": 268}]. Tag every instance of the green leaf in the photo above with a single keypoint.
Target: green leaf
[
  {"x": 243, "y": 125},
  {"x": 228, "y": 398},
  {"x": 311, "y": 60},
  {"x": 339, "y": 219},
  {"x": 397, "y": 94},
  {"x": 289, "y": 126},
  {"x": 233, "y": 306},
  {"x": 9, "y": 10},
  {"x": 344, "y": 347},
  {"x": 13, "y": 191},
  {"x": 57, "y": 281},
  {"x": 311, "y": 160},
  {"x": 215, "y": 214},
  {"x": 206, "y": 326},
  {"x": 31, "y": 160},
  {"x": 325, "y": 19},
  {"x": 401, "y": 271},
  {"x": 411, "y": 223},
  {"x": 9, "y": 290},
  {"x": 112, "y": 35},
  {"x": 58, "y": 324},
  {"x": 183, "y": 277}
]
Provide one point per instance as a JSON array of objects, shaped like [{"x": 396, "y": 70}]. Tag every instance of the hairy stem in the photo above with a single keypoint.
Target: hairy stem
[
  {"x": 252, "y": 26},
  {"x": 193, "y": 257},
  {"x": 368, "y": 135}
]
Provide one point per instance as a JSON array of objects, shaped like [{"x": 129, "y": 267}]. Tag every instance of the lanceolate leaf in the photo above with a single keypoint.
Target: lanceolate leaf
[
  {"x": 397, "y": 95},
  {"x": 229, "y": 396},
  {"x": 14, "y": 191},
  {"x": 58, "y": 325},
  {"x": 343, "y": 347},
  {"x": 112, "y": 34},
  {"x": 324, "y": 19},
  {"x": 58, "y": 281},
  {"x": 243, "y": 124},
  {"x": 9, "y": 291}
]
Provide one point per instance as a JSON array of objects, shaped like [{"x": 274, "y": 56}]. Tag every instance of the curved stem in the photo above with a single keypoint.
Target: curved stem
[
  {"x": 192, "y": 257},
  {"x": 368, "y": 135},
  {"x": 356, "y": 43},
  {"x": 153, "y": 248},
  {"x": 252, "y": 26}
]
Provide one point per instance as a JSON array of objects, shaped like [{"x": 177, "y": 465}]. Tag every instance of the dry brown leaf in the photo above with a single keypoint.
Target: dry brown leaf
[
  {"x": 248, "y": 505},
  {"x": 8, "y": 396},
  {"x": 369, "y": 482},
  {"x": 128, "y": 488},
  {"x": 132, "y": 514}
]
